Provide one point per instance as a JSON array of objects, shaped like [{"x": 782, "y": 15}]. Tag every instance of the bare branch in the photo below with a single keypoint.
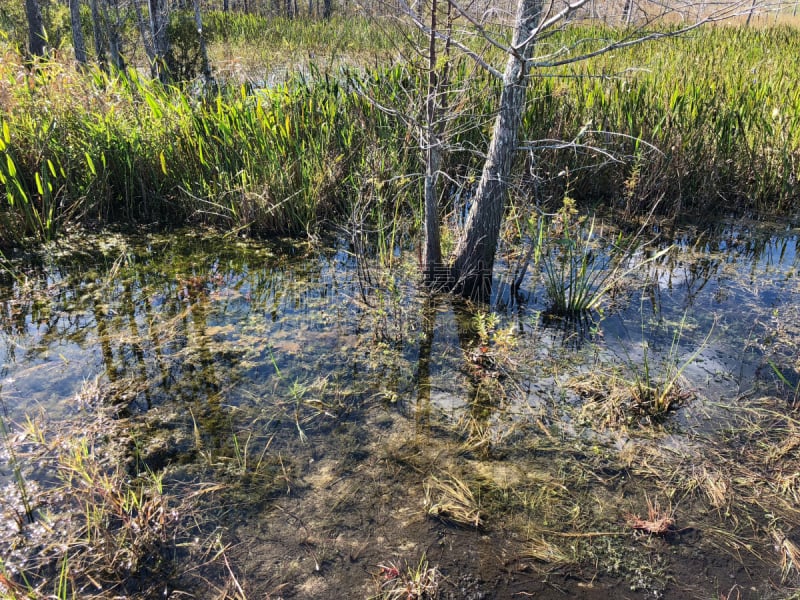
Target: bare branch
[
  {"x": 407, "y": 10},
  {"x": 480, "y": 28},
  {"x": 548, "y": 22}
]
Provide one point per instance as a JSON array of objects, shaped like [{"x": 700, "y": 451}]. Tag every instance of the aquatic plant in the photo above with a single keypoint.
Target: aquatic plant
[
  {"x": 581, "y": 263},
  {"x": 16, "y": 467},
  {"x": 642, "y": 390},
  {"x": 575, "y": 272},
  {"x": 793, "y": 389},
  {"x": 105, "y": 525},
  {"x": 655, "y": 392}
]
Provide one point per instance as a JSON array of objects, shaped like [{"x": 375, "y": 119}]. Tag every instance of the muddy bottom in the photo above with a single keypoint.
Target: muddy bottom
[{"x": 358, "y": 523}]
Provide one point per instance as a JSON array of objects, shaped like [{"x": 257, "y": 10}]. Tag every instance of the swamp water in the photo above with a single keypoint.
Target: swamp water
[{"x": 188, "y": 416}]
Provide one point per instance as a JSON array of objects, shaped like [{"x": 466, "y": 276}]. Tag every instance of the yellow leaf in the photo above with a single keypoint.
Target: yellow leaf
[{"x": 90, "y": 162}]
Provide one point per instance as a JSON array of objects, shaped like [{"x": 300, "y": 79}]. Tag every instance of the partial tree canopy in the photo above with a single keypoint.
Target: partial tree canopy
[{"x": 469, "y": 270}]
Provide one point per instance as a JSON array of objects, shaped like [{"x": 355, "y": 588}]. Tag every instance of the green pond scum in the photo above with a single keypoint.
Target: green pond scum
[{"x": 193, "y": 414}]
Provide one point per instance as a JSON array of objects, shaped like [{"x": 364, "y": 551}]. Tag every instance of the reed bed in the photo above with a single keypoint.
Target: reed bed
[
  {"x": 696, "y": 122},
  {"x": 123, "y": 149}
]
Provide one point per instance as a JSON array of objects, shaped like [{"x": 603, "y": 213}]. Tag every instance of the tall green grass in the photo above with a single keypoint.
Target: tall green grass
[
  {"x": 721, "y": 107},
  {"x": 123, "y": 149},
  {"x": 339, "y": 33}
]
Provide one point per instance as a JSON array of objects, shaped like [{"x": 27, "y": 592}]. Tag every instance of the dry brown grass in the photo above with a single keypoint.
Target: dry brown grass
[
  {"x": 451, "y": 500},
  {"x": 789, "y": 552},
  {"x": 658, "y": 522},
  {"x": 546, "y": 552}
]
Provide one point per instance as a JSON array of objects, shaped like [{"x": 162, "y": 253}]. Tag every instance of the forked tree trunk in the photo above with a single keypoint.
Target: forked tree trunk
[
  {"x": 37, "y": 42},
  {"x": 78, "y": 41},
  {"x": 474, "y": 254}
]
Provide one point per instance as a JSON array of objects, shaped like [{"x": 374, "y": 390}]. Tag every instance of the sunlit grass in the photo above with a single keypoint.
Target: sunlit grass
[{"x": 78, "y": 147}]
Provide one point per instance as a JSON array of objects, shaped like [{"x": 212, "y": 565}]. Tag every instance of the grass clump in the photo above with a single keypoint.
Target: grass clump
[
  {"x": 103, "y": 524},
  {"x": 417, "y": 581},
  {"x": 643, "y": 390},
  {"x": 452, "y": 501},
  {"x": 582, "y": 264}
]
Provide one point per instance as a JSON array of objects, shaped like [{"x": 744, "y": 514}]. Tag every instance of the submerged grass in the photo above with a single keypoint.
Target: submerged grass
[{"x": 106, "y": 526}]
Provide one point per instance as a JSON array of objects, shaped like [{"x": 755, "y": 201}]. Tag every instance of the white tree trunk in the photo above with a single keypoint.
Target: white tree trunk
[{"x": 474, "y": 255}]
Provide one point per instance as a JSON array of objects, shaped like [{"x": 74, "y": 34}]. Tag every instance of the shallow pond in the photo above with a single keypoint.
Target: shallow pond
[{"x": 321, "y": 428}]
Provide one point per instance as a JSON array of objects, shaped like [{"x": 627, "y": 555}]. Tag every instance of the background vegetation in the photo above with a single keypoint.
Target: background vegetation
[{"x": 701, "y": 123}]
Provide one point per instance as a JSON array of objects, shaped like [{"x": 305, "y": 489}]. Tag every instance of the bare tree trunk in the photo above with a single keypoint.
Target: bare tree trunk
[
  {"x": 144, "y": 31},
  {"x": 326, "y": 9},
  {"x": 474, "y": 255},
  {"x": 37, "y": 41},
  {"x": 78, "y": 41},
  {"x": 112, "y": 30},
  {"x": 627, "y": 12},
  {"x": 97, "y": 32},
  {"x": 432, "y": 251},
  {"x": 205, "y": 64},
  {"x": 159, "y": 30}
]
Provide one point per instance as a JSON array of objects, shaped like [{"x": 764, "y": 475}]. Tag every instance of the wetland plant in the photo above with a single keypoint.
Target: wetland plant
[
  {"x": 655, "y": 394},
  {"x": 582, "y": 264},
  {"x": 793, "y": 389},
  {"x": 643, "y": 388},
  {"x": 14, "y": 463},
  {"x": 102, "y": 528},
  {"x": 413, "y": 582}
]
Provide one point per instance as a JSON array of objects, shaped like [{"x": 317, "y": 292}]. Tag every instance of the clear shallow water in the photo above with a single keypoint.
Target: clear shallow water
[
  {"x": 181, "y": 316},
  {"x": 306, "y": 387}
]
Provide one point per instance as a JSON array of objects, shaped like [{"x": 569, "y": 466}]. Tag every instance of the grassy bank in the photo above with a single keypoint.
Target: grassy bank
[{"x": 705, "y": 121}]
